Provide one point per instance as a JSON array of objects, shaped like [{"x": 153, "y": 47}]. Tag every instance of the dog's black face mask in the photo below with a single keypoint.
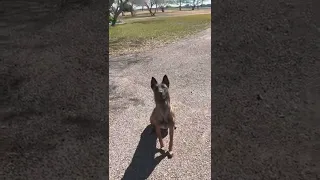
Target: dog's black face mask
[{"x": 161, "y": 91}]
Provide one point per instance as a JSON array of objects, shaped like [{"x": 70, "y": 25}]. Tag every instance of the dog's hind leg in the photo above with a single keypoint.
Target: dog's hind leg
[{"x": 171, "y": 132}]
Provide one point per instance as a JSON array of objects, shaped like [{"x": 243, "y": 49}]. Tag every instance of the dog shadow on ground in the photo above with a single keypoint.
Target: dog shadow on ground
[{"x": 144, "y": 160}]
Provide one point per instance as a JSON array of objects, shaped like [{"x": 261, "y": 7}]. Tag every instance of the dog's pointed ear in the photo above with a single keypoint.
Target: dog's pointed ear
[
  {"x": 153, "y": 82},
  {"x": 165, "y": 80}
]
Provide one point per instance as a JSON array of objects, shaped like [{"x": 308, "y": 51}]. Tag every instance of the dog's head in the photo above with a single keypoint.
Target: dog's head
[{"x": 161, "y": 90}]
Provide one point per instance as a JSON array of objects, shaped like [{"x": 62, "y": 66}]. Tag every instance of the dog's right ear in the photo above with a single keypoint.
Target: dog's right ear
[
  {"x": 153, "y": 82},
  {"x": 165, "y": 80}
]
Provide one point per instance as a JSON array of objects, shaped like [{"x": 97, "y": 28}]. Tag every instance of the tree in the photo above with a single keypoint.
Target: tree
[
  {"x": 138, "y": 2},
  {"x": 196, "y": 3},
  {"x": 128, "y": 8},
  {"x": 150, "y": 4},
  {"x": 118, "y": 10},
  {"x": 162, "y": 4},
  {"x": 110, "y": 4}
]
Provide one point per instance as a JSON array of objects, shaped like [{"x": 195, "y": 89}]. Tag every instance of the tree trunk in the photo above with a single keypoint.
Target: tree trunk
[
  {"x": 110, "y": 3},
  {"x": 194, "y": 4},
  {"x": 115, "y": 17},
  {"x": 180, "y": 6},
  {"x": 150, "y": 10},
  {"x": 118, "y": 11}
]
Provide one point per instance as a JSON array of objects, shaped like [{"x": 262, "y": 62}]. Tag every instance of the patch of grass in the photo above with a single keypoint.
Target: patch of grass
[
  {"x": 144, "y": 34},
  {"x": 167, "y": 13}
]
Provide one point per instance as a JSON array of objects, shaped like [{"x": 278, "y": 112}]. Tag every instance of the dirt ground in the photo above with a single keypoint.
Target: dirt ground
[
  {"x": 265, "y": 90},
  {"x": 54, "y": 78}
]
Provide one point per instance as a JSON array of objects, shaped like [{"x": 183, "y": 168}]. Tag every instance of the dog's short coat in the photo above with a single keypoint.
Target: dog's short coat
[{"x": 162, "y": 116}]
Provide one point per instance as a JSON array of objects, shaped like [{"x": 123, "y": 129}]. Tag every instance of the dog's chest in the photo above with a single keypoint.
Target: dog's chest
[
  {"x": 164, "y": 118},
  {"x": 164, "y": 114}
]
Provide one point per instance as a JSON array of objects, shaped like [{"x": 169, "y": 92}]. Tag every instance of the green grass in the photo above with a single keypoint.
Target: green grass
[{"x": 144, "y": 34}]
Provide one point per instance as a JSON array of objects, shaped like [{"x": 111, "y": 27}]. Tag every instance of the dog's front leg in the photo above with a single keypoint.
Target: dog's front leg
[
  {"x": 171, "y": 132},
  {"x": 158, "y": 132}
]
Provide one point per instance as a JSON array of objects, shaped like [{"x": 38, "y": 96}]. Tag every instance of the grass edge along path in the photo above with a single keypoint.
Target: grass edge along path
[{"x": 143, "y": 35}]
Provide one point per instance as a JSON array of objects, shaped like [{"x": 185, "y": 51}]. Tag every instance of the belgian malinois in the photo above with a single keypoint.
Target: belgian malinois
[{"x": 162, "y": 116}]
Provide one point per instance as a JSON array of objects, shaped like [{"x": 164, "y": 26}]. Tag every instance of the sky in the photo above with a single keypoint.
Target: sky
[{"x": 207, "y": 2}]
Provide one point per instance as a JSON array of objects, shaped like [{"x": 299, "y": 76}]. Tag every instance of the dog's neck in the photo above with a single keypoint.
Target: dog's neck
[{"x": 163, "y": 104}]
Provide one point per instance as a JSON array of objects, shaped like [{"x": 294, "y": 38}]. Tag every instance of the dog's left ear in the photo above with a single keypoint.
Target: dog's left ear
[{"x": 165, "y": 80}]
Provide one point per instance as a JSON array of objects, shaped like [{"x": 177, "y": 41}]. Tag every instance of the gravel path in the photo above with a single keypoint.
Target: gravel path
[
  {"x": 265, "y": 95},
  {"x": 187, "y": 64}
]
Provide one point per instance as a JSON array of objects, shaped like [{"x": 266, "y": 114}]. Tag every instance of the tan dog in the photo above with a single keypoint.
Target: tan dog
[{"x": 162, "y": 116}]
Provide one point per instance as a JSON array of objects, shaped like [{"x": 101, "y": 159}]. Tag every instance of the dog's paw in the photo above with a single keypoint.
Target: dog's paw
[
  {"x": 170, "y": 154},
  {"x": 162, "y": 150}
]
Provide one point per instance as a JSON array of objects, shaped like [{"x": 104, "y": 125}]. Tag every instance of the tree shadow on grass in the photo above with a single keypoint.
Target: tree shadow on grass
[{"x": 144, "y": 161}]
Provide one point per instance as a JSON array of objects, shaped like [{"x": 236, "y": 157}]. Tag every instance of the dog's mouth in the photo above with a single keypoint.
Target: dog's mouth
[{"x": 163, "y": 97}]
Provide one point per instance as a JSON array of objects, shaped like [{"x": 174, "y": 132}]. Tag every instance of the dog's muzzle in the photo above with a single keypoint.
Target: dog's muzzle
[{"x": 162, "y": 95}]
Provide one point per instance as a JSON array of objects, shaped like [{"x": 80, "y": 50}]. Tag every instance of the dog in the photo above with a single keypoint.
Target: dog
[{"x": 162, "y": 116}]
